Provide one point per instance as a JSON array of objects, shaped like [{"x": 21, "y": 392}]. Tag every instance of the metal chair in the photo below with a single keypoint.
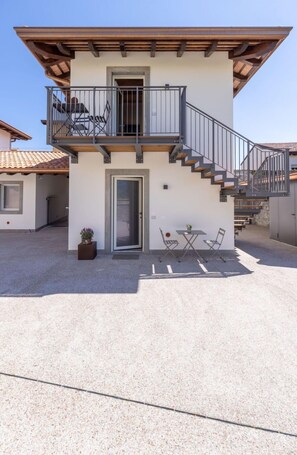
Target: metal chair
[
  {"x": 100, "y": 121},
  {"x": 215, "y": 245},
  {"x": 170, "y": 245}
]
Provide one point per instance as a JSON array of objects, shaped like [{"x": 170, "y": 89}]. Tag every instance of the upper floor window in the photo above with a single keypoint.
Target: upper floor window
[{"x": 11, "y": 195}]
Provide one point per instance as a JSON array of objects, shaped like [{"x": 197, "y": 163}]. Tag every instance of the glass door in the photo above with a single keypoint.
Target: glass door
[{"x": 127, "y": 213}]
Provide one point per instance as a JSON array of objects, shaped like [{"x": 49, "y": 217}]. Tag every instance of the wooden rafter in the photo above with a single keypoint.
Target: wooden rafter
[
  {"x": 252, "y": 61},
  {"x": 212, "y": 48},
  {"x": 256, "y": 51},
  {"x": 182, "y": 48},
  {"x": 240, "y": 77},
  {"x": 64, "y": 49},
  {"x": 47, "y": 50},
  {"x": 153, "y": 48},
  {"x": 93, "y": 49},
  {"x": 239, "y": 50},
  {"x": 62, "y": 79},
  {"x": 123, "y": 49},
  {"x": 51, "y": 62}
]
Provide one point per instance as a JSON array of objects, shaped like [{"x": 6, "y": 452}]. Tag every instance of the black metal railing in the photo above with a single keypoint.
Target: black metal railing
[
  {"x": 262, "y": 170},
  {"x": 115, "y": 111}
]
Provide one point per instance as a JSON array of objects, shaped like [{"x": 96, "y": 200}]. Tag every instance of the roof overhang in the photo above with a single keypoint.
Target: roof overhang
[
  {"x": 248, "y": 47},
  {"x": 15, "y": 133}
]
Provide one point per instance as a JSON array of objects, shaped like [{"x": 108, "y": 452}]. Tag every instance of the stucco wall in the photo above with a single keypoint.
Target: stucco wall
[
  {"x": 283, "y": 216},
  {"x": 209, "y": 81},
  {"x": 25, "y": 220},
  {"x": 5, "y": 139},
  {"x": 189, "y": 198},
  {"x": 51, "y": 185}
]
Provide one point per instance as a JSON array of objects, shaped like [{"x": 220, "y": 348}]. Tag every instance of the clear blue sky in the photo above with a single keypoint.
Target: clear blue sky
[{"x": 265, "y": 110}]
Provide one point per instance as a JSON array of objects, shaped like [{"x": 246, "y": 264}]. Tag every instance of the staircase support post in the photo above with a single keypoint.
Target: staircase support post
[
  {"x": 213, "y": 141},
  {"x": 248, "y": 165},
  {"x": 182, "y": 114}
]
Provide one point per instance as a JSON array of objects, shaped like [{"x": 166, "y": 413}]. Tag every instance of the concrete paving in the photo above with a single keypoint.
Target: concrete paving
[{"x": 137, "y": 357}]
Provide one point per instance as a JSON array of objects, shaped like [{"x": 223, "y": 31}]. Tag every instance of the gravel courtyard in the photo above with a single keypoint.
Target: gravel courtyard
[{"x": 137, "y": 357}]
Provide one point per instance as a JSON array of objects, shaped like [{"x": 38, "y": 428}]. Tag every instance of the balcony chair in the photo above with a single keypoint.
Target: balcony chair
[
  {"x": 215, "y": 245},
  {"x": 98, "y": 123},
  {"x": 170, "y": 245}
]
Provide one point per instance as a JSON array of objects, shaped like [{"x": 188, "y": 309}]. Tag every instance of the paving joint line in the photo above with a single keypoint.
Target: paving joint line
[{"x": 152, "y": 405}]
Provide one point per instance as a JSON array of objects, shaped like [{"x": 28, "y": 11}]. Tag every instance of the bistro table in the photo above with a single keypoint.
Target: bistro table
[
  {"x": 190, "y": 237},
  {"x": 72, "y": 124}
]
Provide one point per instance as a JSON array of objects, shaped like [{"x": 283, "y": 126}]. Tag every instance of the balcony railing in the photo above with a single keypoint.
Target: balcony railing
[{"x": 135, "y": 112}]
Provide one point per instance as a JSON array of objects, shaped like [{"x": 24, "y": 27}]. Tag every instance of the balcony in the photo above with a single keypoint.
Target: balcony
[{"x": 108, "y": 119}]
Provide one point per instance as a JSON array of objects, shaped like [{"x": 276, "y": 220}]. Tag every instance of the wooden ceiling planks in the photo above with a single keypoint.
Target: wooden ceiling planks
[{"x": 248, "y": 47}]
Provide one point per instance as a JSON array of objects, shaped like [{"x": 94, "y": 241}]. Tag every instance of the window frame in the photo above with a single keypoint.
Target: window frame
[{"x": 18, "y": 211}]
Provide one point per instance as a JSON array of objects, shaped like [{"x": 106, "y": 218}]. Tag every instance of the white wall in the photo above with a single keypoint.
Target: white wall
[
  {"x": 189, "y": 198},
  {"x": 5, "y": 140},
  {"x": 209, "y": 81},
  {"x": 51, "y": 185},
  {"x": 26, "y": 220}
]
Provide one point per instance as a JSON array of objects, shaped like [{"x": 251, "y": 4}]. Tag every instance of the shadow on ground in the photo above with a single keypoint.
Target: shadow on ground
[
  {"x": 255, "y": 241},
  {"x": 37, "y": 264}
]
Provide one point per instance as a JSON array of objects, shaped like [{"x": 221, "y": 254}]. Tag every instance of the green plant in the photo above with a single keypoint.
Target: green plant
[
  {"x": 86, "y": 234},
  {"x": 189, "y": 227}
]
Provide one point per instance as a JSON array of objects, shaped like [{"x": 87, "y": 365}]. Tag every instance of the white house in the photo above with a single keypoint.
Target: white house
[
  {"x": 146, "y": 115},
  {"x": 33, "y": 184}
]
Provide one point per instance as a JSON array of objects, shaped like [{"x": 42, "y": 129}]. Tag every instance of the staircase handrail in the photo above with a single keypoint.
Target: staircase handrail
[{"x": 218, "y": 122}]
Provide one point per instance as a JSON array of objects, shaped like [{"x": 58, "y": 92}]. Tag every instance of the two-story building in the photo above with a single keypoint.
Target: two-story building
[{"x": 146, "y": 115}]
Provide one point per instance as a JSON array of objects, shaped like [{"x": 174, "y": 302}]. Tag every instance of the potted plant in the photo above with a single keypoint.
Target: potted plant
[
  {"x": 87, "y": 249},
  {"x": 86, "y": 235},
  {"x": 189, "y": 227}
]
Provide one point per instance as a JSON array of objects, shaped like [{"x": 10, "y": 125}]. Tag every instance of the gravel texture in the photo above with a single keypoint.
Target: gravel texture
[{"x": 216, "y": 341}]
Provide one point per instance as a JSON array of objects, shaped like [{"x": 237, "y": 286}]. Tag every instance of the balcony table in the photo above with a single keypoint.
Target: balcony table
[
  {"x": 190, "y": 237},
  {"x": 72, "y": 124}
]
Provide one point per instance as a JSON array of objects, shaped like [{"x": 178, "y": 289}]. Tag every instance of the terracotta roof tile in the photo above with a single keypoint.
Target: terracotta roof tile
[{"x": 34, "y": 160}]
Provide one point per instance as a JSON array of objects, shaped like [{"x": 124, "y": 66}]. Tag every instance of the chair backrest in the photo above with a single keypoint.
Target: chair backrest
[
  {"x": 220, "y": 236},
  {"x": 106, "y": 112},
  {"x": 162, "y": 234},
  {"x": 57, "y": 104}
]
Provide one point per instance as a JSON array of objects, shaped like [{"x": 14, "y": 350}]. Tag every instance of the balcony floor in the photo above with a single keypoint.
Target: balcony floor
[{"x": 76, "y": 144}]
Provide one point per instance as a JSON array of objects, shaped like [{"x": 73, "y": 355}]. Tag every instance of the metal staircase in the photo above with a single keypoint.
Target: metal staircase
[{"x": 230, "y": 160}]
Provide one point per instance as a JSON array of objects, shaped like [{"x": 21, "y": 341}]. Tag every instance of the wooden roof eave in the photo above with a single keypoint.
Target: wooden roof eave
[
  {"x": 32, "y": 170},
  {"x": 81, "y": 36}
]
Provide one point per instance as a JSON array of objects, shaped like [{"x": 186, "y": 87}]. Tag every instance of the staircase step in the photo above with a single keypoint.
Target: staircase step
[{"x": 189, "y": 162}]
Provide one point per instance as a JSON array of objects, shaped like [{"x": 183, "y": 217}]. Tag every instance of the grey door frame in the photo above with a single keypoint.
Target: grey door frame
[
  {"x": 115, "y": 180},
  {"x": 109, "y": 174},
  {"x": 129, "y": 72}
]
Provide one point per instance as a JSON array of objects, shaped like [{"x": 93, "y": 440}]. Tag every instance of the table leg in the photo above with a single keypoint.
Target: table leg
[{"x": 190, "y": 245}]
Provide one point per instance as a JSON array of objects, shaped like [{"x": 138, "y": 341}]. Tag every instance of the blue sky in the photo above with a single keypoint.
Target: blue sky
[{"x": 265, "y": 110}]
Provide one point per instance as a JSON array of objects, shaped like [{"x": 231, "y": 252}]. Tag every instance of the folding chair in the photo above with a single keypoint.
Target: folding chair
[
  {"x": 170, "y": 245},
  {"x": 100, "y": 121},
  {"x": 215, "y": 245}
]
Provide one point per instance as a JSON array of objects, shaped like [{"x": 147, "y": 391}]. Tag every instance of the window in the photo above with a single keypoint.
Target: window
[{"x": 11, "y": 197}]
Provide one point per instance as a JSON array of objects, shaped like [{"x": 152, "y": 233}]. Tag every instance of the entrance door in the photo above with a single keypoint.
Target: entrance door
[
  {"x": 129, "y": 105},
  {"x": 127, "y": 213}
]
